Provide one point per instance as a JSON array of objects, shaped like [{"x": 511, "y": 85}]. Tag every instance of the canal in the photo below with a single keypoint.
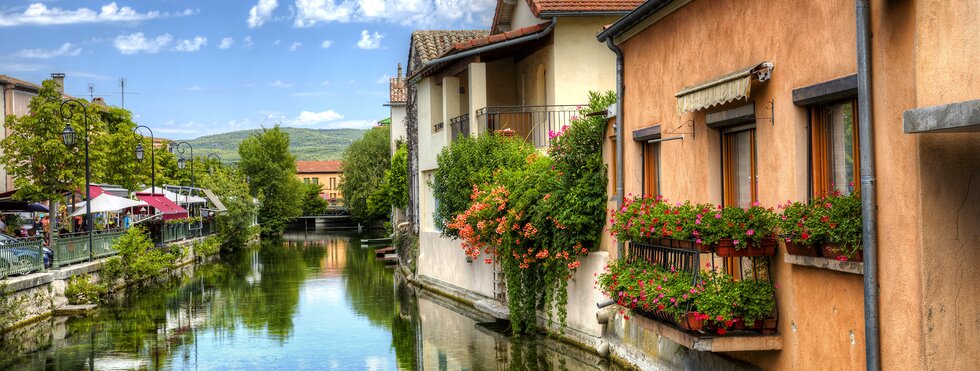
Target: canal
[{"x": 311, "y": 301}]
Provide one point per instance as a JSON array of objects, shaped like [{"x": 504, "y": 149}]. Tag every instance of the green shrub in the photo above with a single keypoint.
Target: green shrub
[
  {"x": 208, "y": 247},
  {"x": 140, "y": 260},
  {"x": 81, "y": 290}
]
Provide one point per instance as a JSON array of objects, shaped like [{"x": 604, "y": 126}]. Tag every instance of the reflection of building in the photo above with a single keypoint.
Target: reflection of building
[
  {"x": 325, "y": 173},
  {"x": 397, "y": 124},
  {"x": 335, "y": 257}
]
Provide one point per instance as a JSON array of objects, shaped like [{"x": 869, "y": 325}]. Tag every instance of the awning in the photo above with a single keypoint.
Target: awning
[
  {"x": 180, "y": 198},
  {"x": 106, "y": 202},
  {"x": 163, "y": 205},
  {"x": 722, "y": 89},
  {"x": 215, "y": 201}
]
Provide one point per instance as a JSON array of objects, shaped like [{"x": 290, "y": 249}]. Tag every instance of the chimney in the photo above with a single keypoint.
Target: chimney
[
  {"x": 59, "y": 78},
  {"x": 399, "y": 71},
  {"x": 99, "y": 101}
]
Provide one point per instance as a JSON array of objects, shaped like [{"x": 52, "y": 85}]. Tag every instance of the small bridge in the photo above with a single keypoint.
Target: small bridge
[{"x": 336, "y": 217}]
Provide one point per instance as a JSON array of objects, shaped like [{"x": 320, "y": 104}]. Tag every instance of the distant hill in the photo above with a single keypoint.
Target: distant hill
[{"x": 305, "y": 144}]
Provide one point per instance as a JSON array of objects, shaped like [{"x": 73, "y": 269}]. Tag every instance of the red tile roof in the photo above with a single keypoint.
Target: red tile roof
[
  {"x": 398, "y": 91},
  {"x": 493, "y": 39},
  {"x": 540, "y": 6},
  {"x": 308, "y": 167}
]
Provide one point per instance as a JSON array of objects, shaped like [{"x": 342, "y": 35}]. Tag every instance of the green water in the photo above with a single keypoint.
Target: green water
[{"x": 312, "y": 301}]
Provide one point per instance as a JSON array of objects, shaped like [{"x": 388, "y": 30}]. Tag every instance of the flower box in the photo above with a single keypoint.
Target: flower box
[
  {"x": 726, "y": 248},
  {"x": 833, "y": 250},
  {"x": 793, "y": 248},
  {"x": 692, "y": 322}
]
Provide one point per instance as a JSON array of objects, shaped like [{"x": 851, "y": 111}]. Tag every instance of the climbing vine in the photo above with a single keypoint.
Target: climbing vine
[{"x": 535, "y": 216}]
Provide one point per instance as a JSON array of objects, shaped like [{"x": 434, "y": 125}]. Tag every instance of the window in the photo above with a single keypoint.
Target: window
[
  {"x": 333, "y": 183},
  {"x": 834, "y": 147},
  {"x": 316, "y": 180},
  {"x": 739, "y": 179},
  {"x": 306, "y": 180},
  {"x": 651, "y": 169}
]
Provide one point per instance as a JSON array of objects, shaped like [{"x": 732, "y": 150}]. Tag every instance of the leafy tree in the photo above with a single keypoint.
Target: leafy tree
[
  {"x": 364, "y": 165},
  {"x": 397, "y": 177},
  {"x": 313, "y": 204},
  {"x": 113, "y": 150},
  {"x": 35, "y": 156},
  {"x": 272, "y": 170},
  {"x": 229, "y": 185}
]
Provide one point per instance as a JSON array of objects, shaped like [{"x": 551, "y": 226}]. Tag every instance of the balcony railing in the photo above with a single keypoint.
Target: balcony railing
[
  {"x": 460, "y": 126},
  {"x": 21, "y": 256},
  {"x": 533, "y": 123}
]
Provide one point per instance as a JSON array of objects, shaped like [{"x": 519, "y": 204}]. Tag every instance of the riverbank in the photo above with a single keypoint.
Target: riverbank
[{"x": 37, "y": 296}]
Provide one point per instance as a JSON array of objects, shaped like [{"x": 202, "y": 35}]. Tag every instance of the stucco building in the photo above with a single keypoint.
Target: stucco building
[
  {"x": 15, "y": 95},
  {"x": 328, "y": 174},
  {"x": 733, "y": 102}
]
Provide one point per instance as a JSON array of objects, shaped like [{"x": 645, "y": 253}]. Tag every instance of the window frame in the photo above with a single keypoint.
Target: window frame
[
  {"x": 650, "y": 170},
  {"x": 728, "y": 183},
  {"x": 818, "y": 154}
]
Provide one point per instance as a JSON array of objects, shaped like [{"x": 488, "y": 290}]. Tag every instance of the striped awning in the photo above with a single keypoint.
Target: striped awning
[{"x": 723, "y": 89}]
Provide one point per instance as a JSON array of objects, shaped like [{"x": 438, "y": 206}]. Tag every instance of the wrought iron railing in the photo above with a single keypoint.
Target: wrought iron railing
[
  {"x": 533, "y": 123},
  {"x": 21, "y": 257},
  {"x": 460, "y": 126},
  {"x": 74, "y": 248}
]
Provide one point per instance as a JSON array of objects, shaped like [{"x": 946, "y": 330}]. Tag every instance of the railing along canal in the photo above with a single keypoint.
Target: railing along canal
[
  {"x": 74, "y": 248},
  {"x": 20, "y": 256}
]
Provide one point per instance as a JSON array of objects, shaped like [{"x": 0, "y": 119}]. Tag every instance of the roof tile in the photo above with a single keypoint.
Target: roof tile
[
  {"x": 330, "y": 166},
  {"x": 539, "y": 6}
]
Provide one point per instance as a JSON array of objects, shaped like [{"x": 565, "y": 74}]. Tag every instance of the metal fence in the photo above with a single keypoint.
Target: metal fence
[
  {"x": 21, "y": 257},
  {"x": 533, "y": 123},
  {"x": 460, "y": 126},
  {"x": 74, "y": 248}
]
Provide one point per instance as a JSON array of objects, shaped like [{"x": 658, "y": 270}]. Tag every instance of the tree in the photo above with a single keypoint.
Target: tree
[
  {"x": 229, "y": 185},
  {"x": 397, "y": 177},
  {"x": 272, "y": 169},
  {"x": 364, "y": 164},
  {"x": 35, "y": 156},
  {"x": 313, "y": 204},
  {"x": 113, "y": 150}
]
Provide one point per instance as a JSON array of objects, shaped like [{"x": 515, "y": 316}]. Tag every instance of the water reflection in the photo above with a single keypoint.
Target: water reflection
[{"x": 305, "y": 302}]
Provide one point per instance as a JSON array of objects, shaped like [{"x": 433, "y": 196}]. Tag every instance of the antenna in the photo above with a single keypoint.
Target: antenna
[
  {"x": 122, "y": 91},
  {"x": 91, "y": 89}
]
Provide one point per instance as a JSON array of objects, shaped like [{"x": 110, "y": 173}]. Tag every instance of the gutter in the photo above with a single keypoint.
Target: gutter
[
  {"x": 486, "y": 48},
  {"x": 620, "y": 167},
  {"x": 869, "y": 207}
]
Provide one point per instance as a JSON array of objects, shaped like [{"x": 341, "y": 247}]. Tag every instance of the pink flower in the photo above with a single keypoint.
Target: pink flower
[
  {"x": 717, "y": 215},
  {"x": 750, "y": 232},
  {"x": 698, "y": 241},
  {"x": 735, "y": 242}
]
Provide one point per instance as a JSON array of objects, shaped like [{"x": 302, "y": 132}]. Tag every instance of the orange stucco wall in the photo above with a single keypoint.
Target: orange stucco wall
[
  {"x": 924, "y": 53},
  {"x": 329, "y": 189}
]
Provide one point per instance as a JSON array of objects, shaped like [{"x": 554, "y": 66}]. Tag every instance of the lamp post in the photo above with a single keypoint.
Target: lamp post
[
  {"x": 210, "y": 171},
  {"x": 181, "y": 162},
  {"x": 68, "y": 110},
  {"x": 139, "y": 155}
]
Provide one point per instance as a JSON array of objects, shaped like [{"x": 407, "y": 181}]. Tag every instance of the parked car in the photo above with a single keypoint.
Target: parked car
[{"x": 21, "y": 260}]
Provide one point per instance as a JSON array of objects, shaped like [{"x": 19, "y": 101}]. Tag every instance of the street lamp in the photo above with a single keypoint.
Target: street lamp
[
  {"x": 68, "y": 109},
  {"x": 211, "y": 170},
  {"x": 139, "y": 155},
  {"x": 181, "y": 162}
]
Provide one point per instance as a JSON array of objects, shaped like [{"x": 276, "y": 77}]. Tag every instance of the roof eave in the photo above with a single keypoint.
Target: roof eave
[
  {"x": 632, "y": 18},
  {"x": 590, "y": 13}
]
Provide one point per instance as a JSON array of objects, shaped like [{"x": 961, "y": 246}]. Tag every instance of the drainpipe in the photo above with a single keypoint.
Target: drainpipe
[
  {"x": 869, "y": 208},
  {"x": 620, "y": 90}
]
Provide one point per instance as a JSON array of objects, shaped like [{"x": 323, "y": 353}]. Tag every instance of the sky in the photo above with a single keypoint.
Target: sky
[{"x": 194, "y": 68}]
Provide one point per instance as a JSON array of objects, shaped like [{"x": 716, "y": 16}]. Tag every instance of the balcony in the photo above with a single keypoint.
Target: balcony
[
  {"x": 533, "y": 123},
  {"x": 459, "y": 126}
]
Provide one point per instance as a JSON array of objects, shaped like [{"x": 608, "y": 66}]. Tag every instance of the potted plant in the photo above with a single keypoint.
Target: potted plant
[
  {"x": 792, "y": 224},
  {"x": 837, "y": 219},
  {"x": 717, "y": 299},
  {"x": 757, "y": 303}
]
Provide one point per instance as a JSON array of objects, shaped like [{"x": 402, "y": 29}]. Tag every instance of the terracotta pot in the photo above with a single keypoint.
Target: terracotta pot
[
  {"x": 727, "y": 249},
  {"x": 704, "y": 249},
  {"x": 692, "y": 322},
  {"x": 802, "y": 250},
  {"x": 766, "y": 247},
  {"x": 769, "y": 326},
  {"x": 739, "y": 324},
  {"x": 683, "y": 244},
  {"x": 829, "y": 251}
]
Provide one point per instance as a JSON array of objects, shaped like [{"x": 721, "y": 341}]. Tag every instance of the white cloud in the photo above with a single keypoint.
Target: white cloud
[
  {"x": 351, "y": 124},
  {"x": 384, "y": 79},
  {"x": 191, "y": 45},
  {"x": 137, "y": 42},
  {"x": 307, "y": 118},
  {"x": 20, "y": 67},
  {"x": 261, "y": 13},
  {"x": 226, "y": 43},
  {"x": 326, "y": 44},
  {"x": 295, "y": 46},
  {"x": 66, "y": 50},
  {"x": 247, "y": 42},
  {"x": 325, "y": 82},
  {"x": 280, "y": 84},
  {"x": 277, "y": 42},
  {"x": 39, "y": 14},
  {"x": 415, "y": 13},
  {"x": 369, "y": 41},
  {"x": 194, "y": 88}
]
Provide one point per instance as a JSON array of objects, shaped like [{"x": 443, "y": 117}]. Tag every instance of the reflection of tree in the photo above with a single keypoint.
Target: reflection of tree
[
  {"x": 405, "y": 327},
  {"x": 370, "y": 287}
]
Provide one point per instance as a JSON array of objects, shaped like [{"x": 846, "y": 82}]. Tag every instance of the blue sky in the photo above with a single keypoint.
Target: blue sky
[{"x": 194, "y": 68}]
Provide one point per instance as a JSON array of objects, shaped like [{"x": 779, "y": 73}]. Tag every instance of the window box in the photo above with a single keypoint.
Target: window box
[
  {"x": 803, "y": 250},
  {"x": 726, "y": 248}
]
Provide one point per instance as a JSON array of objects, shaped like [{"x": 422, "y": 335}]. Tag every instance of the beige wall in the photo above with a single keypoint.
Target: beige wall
[
  {"x": 430, "y": 112},
  {"x": 324, "y": 180},
  {"x": 818, "y": 309},
  {"x": 531, "y": 90},
  {"x": 503, "y": 91},
  {"x": 581, "y": 64},
  {"x": 924, "y": 53},
  {"x": 398, "y": 128},
  {"x": 522, "y": 16},
  {"x": 443, "y": 259},
  {"x": 946, "y": 52}
]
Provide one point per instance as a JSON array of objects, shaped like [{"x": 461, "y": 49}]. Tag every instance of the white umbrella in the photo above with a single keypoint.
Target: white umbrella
[
  {"x": 180, "y": 199},
  {"x": 106, "y": 202}
]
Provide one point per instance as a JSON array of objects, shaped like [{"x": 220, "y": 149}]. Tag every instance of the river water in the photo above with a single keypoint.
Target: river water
[{"x": 312, "y": 301}]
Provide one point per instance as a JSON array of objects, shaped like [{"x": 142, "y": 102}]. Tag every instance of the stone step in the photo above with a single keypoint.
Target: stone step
[{"x": 74, "y": 309}]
